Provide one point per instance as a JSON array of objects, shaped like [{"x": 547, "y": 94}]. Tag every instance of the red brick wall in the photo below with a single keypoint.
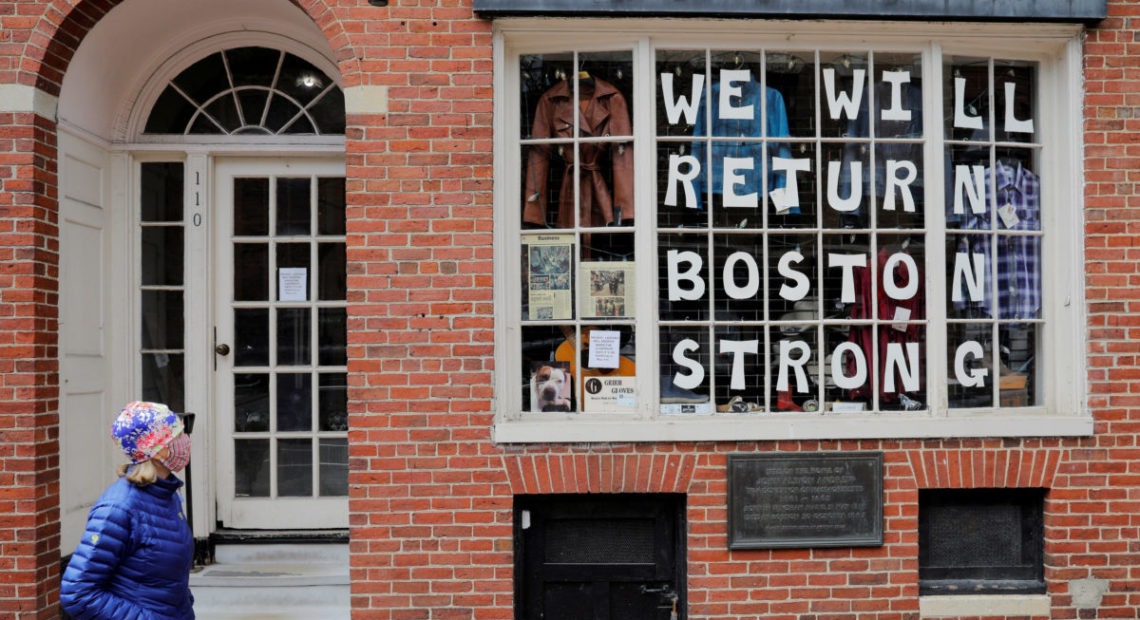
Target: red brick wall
[
  {"x": 430, "y": 494},
  {"x": 29, "y": 452}
]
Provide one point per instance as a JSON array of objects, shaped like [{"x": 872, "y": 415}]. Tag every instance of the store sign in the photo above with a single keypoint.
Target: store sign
[
  {"x": 900, "y": 275},
  {"x": 1089, "y": 11}
]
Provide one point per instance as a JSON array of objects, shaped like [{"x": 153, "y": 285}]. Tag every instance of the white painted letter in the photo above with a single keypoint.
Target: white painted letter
[
  {"x": 975, "y": 377},
  {"x": 675, "y": 176},
  {"x": 847, "y": 262},
  {"x": 729, "y": 279},
  {"x": 889, "y": 287},
  {"x": 907, "y": 368},
  {"x": 975, "y": 276},
  {"x": 784, "y": 198},
  {"x": 843, "y": 103},
  {"x": 729, "y": 88},
  {"x": 732, "y": 179},
  {"x": 961, "y": 119},
  {"x": 696, "y": 371},
  {"x": 674, "y": 106},
  {"x": 673, "y": 260},
  {"x": 975, "y": 192},
  {"x": 786, "y": 361},
  {"x": 851, "y": 203},
  {"x": 896, "y": 79},
  {"x": 1013, "y": 125},
  {"x": 803, "y": 284},
  {"x": 738, "y": 348},
  {"x": 838, "y": 367},
  {"x": 902, "y": 183}
]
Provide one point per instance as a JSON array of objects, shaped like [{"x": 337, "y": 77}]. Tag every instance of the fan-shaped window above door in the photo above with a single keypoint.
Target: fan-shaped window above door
[{"x": 249, "y": 90}]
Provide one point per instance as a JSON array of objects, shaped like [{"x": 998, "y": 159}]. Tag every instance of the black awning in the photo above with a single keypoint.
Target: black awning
[{"x": 1086, "y": 11}]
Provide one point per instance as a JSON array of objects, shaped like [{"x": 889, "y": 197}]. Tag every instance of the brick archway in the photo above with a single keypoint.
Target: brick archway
[
  {"x": 43, "y": 40},
  {"x": 64, "y": 23}
]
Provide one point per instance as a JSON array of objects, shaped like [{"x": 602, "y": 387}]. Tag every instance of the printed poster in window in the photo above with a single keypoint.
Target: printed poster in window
[
  {"x": 607, "y": 290},
  {"x": 548, "y": 262}
]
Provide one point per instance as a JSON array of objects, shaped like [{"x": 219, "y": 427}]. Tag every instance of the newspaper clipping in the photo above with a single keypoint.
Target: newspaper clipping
[
  {"x": 549, "y": 259},
  {"x": 608, "y": 289}
]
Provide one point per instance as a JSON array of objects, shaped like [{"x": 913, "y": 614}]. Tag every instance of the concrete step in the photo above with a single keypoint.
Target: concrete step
[{"x": 273, "y": 582}]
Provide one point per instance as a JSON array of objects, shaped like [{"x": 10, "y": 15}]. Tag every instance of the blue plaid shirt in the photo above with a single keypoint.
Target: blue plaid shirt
[{"x": 1018, "y": 255}]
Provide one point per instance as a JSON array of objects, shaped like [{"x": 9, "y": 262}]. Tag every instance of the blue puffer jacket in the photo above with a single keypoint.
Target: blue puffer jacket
[{"x": 134, "y": 560}]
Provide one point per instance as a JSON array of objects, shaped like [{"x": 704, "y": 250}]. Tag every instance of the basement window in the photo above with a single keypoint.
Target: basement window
[{"x": 981, "y": 541}]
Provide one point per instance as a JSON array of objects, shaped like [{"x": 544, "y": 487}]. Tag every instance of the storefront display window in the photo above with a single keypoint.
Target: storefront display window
[{"x": 785, "y": 234}]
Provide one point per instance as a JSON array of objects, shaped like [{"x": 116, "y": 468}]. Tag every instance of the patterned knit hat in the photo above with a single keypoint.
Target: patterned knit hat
[{"x": 144, "y": 429}]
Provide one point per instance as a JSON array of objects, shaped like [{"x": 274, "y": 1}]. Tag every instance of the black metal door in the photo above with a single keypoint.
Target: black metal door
[{"x": 599, "y": 557}]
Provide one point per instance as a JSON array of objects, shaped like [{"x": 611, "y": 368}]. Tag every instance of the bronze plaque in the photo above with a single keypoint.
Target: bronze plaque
[{"x": 819, "y": 499}]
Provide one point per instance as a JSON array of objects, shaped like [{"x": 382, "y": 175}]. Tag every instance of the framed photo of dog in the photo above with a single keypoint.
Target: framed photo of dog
[{"x": 552, "y": 387}]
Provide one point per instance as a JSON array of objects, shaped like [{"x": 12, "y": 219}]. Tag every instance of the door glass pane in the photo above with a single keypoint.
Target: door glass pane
[
  {"x": 251, "y": 337},
  {"x": 251, "y": 263},
  {"x": 333, "y": 402},
  {"x": 294, "y": 402},
  {"x": 332, "y": 274},
  {"x": 162, "y": 319},
  {"x": 293, "y": 206},
  {"x": 293, "y": 256},
  {"x": 293, "y": 339},
  {"x": 251, "y": 207},
  {"x": 251, "y": 403},
  {"x": 161, "y": 192},
  {"x": 163, "y": 375},
  {"x": 294, "y": 467},
  {"x": 251, "y": 467},
  {"x": 331, "y": 336},
  {"x": 162, "y": 255},
  {"x": 334, "y": 467},
  {"x": 330, "y": 206}
]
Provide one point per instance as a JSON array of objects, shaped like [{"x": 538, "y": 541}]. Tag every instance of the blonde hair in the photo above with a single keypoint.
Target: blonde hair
[{"x": 139, "y": 474}]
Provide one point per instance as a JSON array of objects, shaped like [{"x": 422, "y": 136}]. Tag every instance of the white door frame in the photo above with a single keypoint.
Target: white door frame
[{"x": 234, "y": 512}]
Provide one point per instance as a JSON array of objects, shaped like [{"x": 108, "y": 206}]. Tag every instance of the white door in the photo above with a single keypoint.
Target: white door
[
  {"x": 280, "y": 361},
  {"x": 84, "y": 326}
]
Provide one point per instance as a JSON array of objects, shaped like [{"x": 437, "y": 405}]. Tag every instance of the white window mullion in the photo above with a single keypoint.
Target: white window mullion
[
  {"x": 645, "y": 242},
  {"x": 934, "y": 154}
]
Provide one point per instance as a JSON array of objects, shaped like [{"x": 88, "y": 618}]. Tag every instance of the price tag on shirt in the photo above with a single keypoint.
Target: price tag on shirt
[
  {"x": 1008, "y": 215},
  {"x": 902, "y": 315}
]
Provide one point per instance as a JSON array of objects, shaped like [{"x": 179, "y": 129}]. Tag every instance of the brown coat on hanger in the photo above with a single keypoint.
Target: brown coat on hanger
[{"x": 603, "y": 112}]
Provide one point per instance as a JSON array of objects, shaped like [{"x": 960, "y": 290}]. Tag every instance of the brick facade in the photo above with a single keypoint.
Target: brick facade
[{"x": 431, "y": 494}]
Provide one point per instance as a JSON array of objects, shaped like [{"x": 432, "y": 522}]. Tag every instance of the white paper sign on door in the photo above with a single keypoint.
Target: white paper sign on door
[{"x": 293, "y": 284}]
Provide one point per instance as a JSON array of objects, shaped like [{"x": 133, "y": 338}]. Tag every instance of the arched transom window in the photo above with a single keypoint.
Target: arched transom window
[{"x": 249, "y": 90}]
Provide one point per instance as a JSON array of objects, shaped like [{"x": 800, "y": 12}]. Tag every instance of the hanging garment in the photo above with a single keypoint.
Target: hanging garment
[
  {"x": 772, "y": 102},
  {"x": 1018, "y": 260},
  {"x": 602, "y": 112},
  {"x": 888, "y": 308}
]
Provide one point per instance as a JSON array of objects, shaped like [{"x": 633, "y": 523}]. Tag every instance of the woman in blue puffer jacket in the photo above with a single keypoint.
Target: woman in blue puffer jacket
[{"x": 134, "y": 560}]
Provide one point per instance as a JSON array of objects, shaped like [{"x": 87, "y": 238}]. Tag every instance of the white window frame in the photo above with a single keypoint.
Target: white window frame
[{"x": 1057, "y": 49}]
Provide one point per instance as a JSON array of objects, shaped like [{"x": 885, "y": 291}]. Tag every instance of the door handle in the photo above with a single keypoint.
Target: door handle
[{"x": 222, "y": 349}]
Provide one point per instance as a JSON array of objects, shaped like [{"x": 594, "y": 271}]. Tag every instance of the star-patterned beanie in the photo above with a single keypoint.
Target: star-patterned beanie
[{"x": 144, "y": 429}]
